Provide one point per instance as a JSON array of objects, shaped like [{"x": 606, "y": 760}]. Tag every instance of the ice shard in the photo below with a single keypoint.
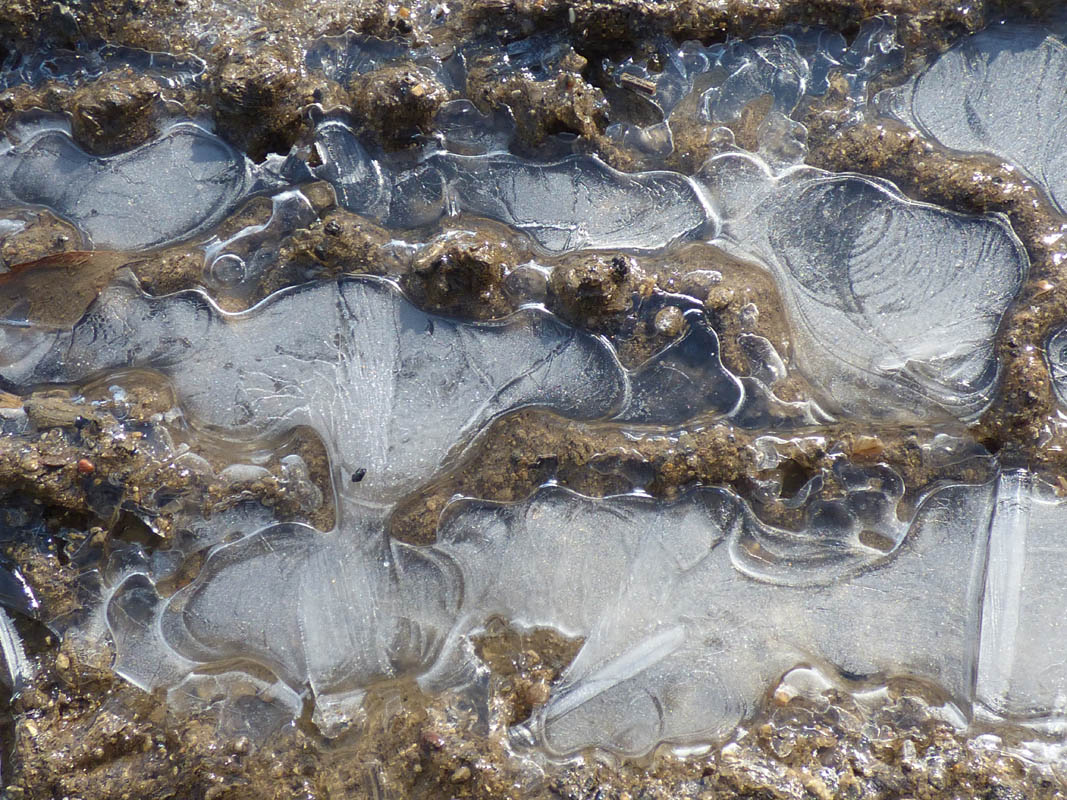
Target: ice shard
[
  {"x": 179, "y": 184},
  {"x": 1022, "y": 669},
  {"x": 999, "y": 92},
  {"x": 894, "y": 304},
  {"x": 392, "y": 391}
]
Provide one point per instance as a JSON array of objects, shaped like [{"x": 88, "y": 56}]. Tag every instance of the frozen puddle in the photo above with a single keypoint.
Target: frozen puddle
[
  {"x": 893, "y": 304},
  {"x": 392, "y": 391},
  {"x": 998, "y": 92},
  {"x": 690, "y": 610},
  {"x": 568, "y": 205},
  {"x": 179, "y": 184}
]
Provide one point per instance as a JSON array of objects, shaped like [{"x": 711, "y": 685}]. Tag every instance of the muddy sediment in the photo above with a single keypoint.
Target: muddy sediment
[{"x": 99, "y": 462}]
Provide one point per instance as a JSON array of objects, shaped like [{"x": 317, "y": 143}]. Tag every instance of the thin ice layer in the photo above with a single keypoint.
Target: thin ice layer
[
  {"x": 567, "y": 205},
  {"x": 689, "y": 609},
  {"x": 1000, "y": 92},
  {"x": 183, "y": 182},
  {"x": 893, "y": 304},
  {"x": 391, "y": 390}
]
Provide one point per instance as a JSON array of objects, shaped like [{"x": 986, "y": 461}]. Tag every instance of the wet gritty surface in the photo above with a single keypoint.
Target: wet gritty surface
[{"x": 86, "y": 462}]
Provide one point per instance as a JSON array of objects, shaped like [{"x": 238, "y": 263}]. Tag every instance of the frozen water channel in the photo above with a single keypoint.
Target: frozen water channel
[{"x": 689, "y": 607}]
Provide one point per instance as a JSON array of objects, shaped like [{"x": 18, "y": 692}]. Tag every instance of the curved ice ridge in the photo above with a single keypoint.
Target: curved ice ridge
[
  {"x": 999, "y": 92},
  {"x": 572, "y": 204},
  {"x": 893, "y": 304},
  {"x": 689, "y": 609},
  {"x": 183, "y": 182}
]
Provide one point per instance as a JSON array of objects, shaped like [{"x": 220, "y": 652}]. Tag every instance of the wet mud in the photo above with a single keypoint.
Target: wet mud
[{"x": 110, "y": 471}]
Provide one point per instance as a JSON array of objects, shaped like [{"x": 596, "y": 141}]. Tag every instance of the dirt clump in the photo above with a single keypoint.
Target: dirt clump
[
  {"x": 259, "y": 97},
  {"x": 396, "y": 103},
  {"x": 115, "y": 112},
  {"x": 461, "y": 271},
  {"x": 593, "y": 290},
  {"x": 561, "y": 103}
]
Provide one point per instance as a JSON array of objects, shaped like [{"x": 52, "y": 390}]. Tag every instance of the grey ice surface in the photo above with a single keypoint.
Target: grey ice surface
[
  {"x": 391, "y": 390},
  {"x": 338, "y": 611},
  {"x": 349, "y": 55},
  {"x": 577, "y": 203},
  {"x": 684, "y": 380},
  {"x": 183, "y": 182},
  {"x": 999, "y": 92},
  {"x": 71, "y": 66},
  {"x": 567, "y": 205},
  {"x": 893, "y": 304}
]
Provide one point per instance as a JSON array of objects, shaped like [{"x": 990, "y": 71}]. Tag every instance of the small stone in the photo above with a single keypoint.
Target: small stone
[
  {"x": 537, "y": 694},
  {"x": 461, "y": 775}
]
